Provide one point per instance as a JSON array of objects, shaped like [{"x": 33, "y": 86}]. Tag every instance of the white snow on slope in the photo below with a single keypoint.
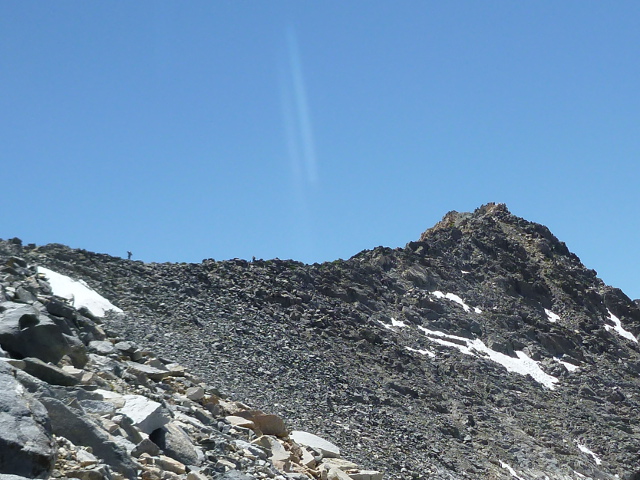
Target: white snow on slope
[
  {"x": 589, "y": 452},
  {"x": 553, "y": 317},
  {"x": 397, "y": 323},
  {"x": 455, "y": 298},
  {"x": 619, "y": 328},
  {"x": 421, "y": 352},
  {"x": 511, "y": 470},
  {"x": 78, "y": 292},
  {"x": 394, "y": 323},
  {"x": 523, "y": 365},
  {"x": 569, "y": 366}
]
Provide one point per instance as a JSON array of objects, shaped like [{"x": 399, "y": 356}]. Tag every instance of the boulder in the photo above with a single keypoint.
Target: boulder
[
  {"x": 307, "y": 459},
  {"x": 267, "y": 424},
  {"x": 146, "y": 414},
  {"x": 195, "y": 393},
  {"x": 279, "y": 456},
  {"x": 237, "y": 421},
  {"x": 328, "y": 449},
  {"x": 141, "y": 370},
  {"x": 337, "y": 474},
  {"x": 340, "y": 463},
  {"x": 80, "y": 430},
  {"x": 60, "y": 309},
  {"x": 14, "y": 261},
  {"x": 234, "y": 475},
  {"x": 26, "y": 333},
  {"x": 175, "y": 443},
  {"x": 170, "y": 464},
  {"x": 251, "y": 449},
  {"x": 98, "y": 407},
  {"x": 271, "y": 425},
  {"x": 86, "y": 459},
  {"x": 101, "y": 347},
  {"x": 126, "y": 347},
  {"x": 23, "y": 295},
  {"x": 146, "y": 446},
  {"x": 26, "y": 443},
  {"x": 48, "y": 373},
  {"x": 196, "y": 476},
  {"x": 366, "y": 475},
  {"x": 77, "y": 351}
]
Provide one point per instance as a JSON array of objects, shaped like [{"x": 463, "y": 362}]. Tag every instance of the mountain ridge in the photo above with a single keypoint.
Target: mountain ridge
[{"x": 395, "y": 353}]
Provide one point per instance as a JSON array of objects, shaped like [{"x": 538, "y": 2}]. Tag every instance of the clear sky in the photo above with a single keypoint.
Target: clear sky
[{"x": 313, "y": 130}]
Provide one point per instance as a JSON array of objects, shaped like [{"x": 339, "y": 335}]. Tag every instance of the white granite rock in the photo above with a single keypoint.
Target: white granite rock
[
  {"x": 146, "y": 414},
  {"x": 328, "y": 449}
]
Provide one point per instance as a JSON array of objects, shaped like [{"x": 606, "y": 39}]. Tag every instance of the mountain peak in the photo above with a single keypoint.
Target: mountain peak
[
  {"x": 492, "y": 228},
  {"x": 459, "y": 220}
]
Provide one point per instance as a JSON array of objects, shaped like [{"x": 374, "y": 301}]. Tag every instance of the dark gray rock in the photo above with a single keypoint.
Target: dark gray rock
[
  {"x": 126, "y": 347},
  {"x": 175, "y": 443},
  {"x": 60, "y": 309},
  {"x": 26, "y": 333},
  {"x": 71, "y": 424},
  {"x": 23, "y": 295},
  {"x": 101, "y": 347},
  {"x": 98, "y": 407},
  {"x": 26, "y": 444},
  {"x": 234, "y": 475},
  {"x": 48, "y": 373},
  {"x": 146, "y": 445},
  {"x": 147, "y": 371},
  {"x": 14, "y": 261},
  {"x": 77, "y": 351}
]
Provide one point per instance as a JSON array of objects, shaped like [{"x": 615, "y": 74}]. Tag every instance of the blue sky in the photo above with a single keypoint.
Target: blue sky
[{"x": 313, "y": 130}]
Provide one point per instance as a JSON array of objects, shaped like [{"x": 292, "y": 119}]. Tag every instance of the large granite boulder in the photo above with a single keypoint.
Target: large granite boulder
[
  {"x": 81, "y": 430},
  {"x": 24, "y": 332},
  {"x": 175, "y": 443},
  {"x": 26, "y": 444}
]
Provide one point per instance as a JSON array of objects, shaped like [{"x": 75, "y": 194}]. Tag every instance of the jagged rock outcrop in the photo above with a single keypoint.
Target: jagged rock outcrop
[
  {"x": 483, "y": 350},
  {"x": 26, "y": 442}
]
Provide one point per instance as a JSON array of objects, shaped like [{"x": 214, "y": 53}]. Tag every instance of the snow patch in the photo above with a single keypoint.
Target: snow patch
[
  {"x": 421, "y": 352},
  {"x": 524, "y": 365},
  {"x": 553, "y": 317},
  {"x": 619, "y": 328},
  {"x": 455, "y": 298},
  {"x": 397, "y": 323},
  {"x": 588, "y": 452},
  {"x": 394, "y": 324},
  {"x": 511, "y": 470},
  {"x": 569, "y": 366},
  {"x": 78, "y": 293}
]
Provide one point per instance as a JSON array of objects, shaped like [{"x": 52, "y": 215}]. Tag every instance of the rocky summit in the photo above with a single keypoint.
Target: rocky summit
[{"x": 483, "y": 350}]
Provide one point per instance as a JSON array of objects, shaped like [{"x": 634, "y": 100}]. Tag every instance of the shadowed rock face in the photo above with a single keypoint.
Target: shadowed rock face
[
  {"x": 26, "y": 444},
  {"x": 24, "y": 332},
  {"x": 483, "y": 347}
]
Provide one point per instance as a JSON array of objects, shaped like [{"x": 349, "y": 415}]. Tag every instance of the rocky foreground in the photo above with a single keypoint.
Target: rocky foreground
[
  {"x": 483, "y": 350},
  {"x": 78, "y": 402}
]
